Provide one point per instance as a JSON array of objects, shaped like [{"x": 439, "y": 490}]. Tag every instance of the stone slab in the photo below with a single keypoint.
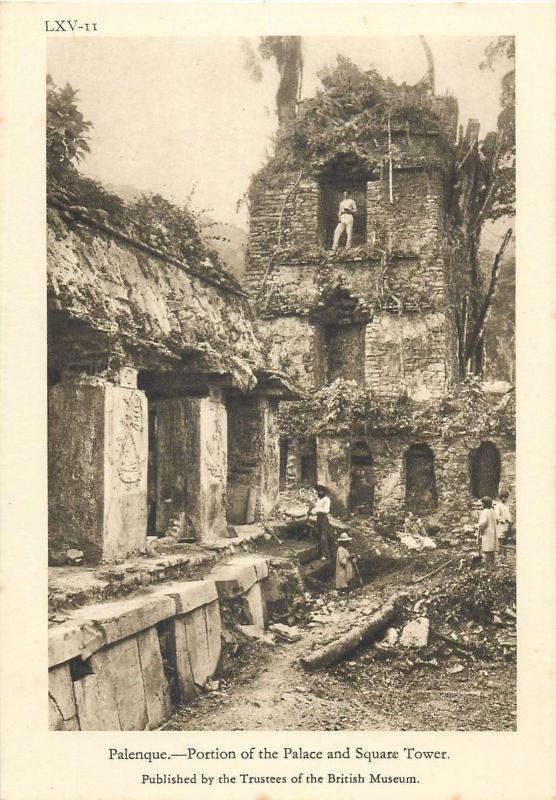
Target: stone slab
[
  {"x": 179, "y": 659},
  {"x": 96, "y": 703},
  {"x": 123, "y": 618},
  {"x": 233, "y": 580},
  {"x": 415, "y": 633},
  {"x": 197, "y": 645},
  {"x": 246, "y": 532},
  {"x": 188, "y": 595},
  {"x": 72, "y": 639},
  {"x": 157, "y": 691},
  {"x": 256, "y": 606},
  {"x": 121, "y": 663},
  {"x": 60, "y": 691},
  {"x": 214, "y": 634}
]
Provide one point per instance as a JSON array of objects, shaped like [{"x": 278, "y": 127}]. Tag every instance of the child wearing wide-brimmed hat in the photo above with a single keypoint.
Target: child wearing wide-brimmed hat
[{"x": 344, "y": 564}]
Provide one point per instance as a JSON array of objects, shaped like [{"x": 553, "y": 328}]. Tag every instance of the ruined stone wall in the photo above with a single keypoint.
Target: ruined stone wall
[
  {"x": 126, "y": 664},
  {"x": 294, "y": 345},
  {"x": 452, "y": 475},
  {"x": 282, "y": 209},
  {"x": 407, "y": 352},
  {"x": 413, "y": 220}
]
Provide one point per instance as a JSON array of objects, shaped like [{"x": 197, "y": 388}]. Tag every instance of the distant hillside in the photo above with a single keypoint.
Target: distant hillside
[
  {"x": 230, "y": 242},
  {"x": 227, "y": 239}
]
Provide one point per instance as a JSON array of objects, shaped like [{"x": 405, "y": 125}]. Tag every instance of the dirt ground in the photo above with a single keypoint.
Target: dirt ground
[{"x": 434, "y": 688}]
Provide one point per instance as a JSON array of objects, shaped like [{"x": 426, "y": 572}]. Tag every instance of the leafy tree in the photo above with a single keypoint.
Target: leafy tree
[
  {"x": 483, "y": 191},
  {"x": 66, "y": 128},
  {"x": 287, "y": 53}
]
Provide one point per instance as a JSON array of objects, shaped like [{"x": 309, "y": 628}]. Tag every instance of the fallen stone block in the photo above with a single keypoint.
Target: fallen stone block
[
  {"x": 157, "y": 691},
  {"x": 427, "y": 543},
  {"x": 246, "y": 532},
  {"x": 286, "y": 632},
  {"x": 254, "y": 632},
  {"x": 75, "y": 556},
  {"x": 409, "y": 542},
  {"x": 295, "y": 512},
  {"x": 415, "y": 633},
  {"x": 122, "y": 618},
  {"x": 391, "y": 637}
]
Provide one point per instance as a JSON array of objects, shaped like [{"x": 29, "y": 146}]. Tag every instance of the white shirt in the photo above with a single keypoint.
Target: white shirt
[
  {"x": 348, "y": 206},
  {"x": 503, "y": 516},
  {"x": 322, "y": 506}
]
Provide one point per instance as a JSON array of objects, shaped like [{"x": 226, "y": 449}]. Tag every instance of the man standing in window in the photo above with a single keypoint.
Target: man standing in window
[{"x": 345, "y": 220}]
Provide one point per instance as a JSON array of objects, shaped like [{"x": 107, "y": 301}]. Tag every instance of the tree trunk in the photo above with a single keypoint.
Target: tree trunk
[{"x": 336, "y": 650}]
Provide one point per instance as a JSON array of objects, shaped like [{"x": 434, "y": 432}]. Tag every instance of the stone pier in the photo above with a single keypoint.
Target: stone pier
[
  {"x": 253, "y": 458},
  {"x": 98, "y": 451}
]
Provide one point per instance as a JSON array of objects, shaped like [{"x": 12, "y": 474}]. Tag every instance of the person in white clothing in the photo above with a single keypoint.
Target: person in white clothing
[
  {"x": 345, "y": 221},
  {"x": 486, "y": 530},
  {"x": 503, "y": 521},
  {"x": 321, "y": 510}
]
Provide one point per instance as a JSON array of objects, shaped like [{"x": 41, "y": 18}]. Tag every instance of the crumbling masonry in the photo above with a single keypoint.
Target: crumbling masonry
[
  {"x": 161, "y": 405},
  {"x": 378, "y": 314}
]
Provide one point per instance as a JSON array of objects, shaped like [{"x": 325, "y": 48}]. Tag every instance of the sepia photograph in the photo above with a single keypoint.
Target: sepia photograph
[{"x": 281, "y": 277}]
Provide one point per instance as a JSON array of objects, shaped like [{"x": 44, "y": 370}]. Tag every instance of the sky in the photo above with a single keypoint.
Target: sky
[{"x": 182, "y": 117}]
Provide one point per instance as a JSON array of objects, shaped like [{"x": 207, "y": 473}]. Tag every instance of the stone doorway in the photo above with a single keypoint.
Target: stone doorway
[
  {"x": 171, "y": 466},
  {"x": 420, "y": 481},
  {"x": 485, "y": 470},
  {"x": 308, "y": 462},
  {"x": 362, "y": 488}
]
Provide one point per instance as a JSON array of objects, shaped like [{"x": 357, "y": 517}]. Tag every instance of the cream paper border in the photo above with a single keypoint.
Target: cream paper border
[{"x": 37, "y": 764}]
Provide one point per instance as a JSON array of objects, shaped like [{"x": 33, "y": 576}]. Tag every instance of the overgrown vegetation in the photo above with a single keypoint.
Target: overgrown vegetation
[
  {"x": 152, "y": 219},
  {"x": 353, "y": 110},
  {"x": 346, "y": 409}
]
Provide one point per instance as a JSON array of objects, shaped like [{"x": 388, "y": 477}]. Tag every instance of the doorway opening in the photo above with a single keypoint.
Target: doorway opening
[
  {"x": 484, "y": 463},
  {"x": 420, "y": 481},
  {"x": 362, "y": 484}
]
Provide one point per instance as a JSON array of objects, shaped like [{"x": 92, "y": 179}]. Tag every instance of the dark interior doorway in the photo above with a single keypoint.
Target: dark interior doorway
[
  {"x": 485, "y": 470},
  {"x": 362, "y": 484},
  {"x": 308, "y": 462},
  {"x": 420, "y": 481},
  {"x": 345, "y": 352},
  {"x": 151, "y": 473}
]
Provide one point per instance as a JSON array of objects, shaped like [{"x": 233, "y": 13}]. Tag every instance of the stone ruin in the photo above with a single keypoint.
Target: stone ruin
[
  {"x": 161, "y": 405},
  {"x": 378, "y": 314}
]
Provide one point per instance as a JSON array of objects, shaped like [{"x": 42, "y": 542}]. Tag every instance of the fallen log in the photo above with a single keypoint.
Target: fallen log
[
  {"x": 339, "y": 648},
  {"x": 434, "y": 571}
]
